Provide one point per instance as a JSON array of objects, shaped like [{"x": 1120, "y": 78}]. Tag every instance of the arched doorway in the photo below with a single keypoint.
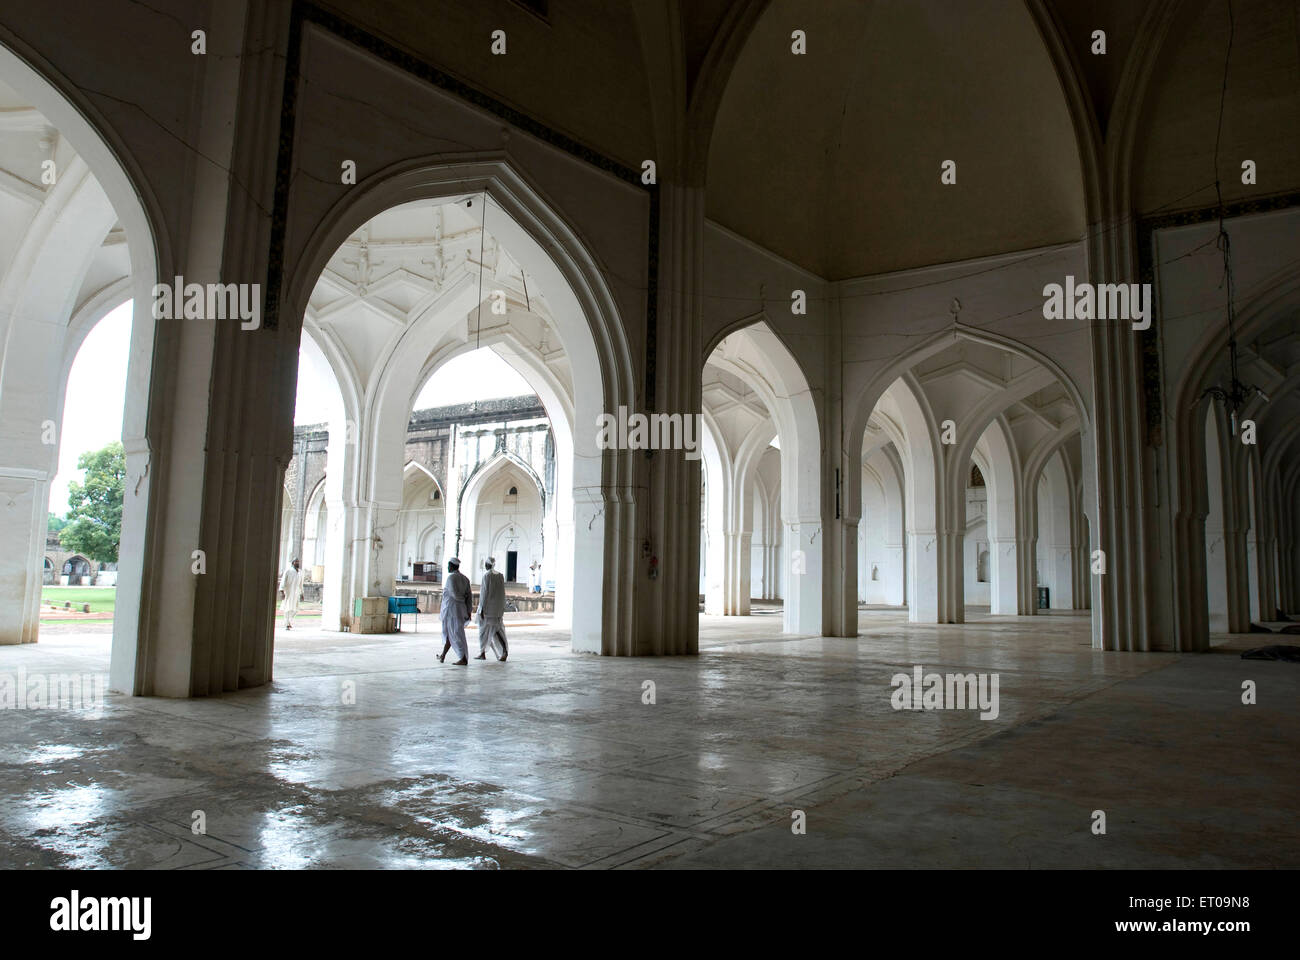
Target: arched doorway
[
  {"x": 978, "y": 405},
  {"x": 81, "y": 220},
  {"x": 558, "y": 269},
  {"x": 761, "y": 430}
]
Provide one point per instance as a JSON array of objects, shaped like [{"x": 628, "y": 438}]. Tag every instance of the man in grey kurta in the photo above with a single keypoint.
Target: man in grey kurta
[
  {"x": 454, "y": 613},
  {"x": 491, "y": 613}
]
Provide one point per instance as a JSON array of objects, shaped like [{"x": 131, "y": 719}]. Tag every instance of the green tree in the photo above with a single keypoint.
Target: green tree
[
  {"x": 94, "y": 526},
  {"x": 56, "y": 523}
]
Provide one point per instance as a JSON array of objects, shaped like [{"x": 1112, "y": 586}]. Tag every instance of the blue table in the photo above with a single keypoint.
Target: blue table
[{"x": 401, "y": 605}]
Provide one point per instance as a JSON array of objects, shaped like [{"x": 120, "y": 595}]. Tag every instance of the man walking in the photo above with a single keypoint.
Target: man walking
[
  {"x": 454, "y": 613},
  {"x": 290, "y": 592},
  {"x": 491, "y": 613}
]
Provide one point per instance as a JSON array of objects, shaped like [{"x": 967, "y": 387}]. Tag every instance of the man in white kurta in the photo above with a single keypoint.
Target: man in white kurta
[
  {"x": 454, "y": 613},
  {"x": 290, "y": 592},
  {"x": 491, "y": 613}
]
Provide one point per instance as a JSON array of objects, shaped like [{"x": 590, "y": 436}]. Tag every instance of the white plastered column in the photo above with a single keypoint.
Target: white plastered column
[
  {"x": 739, "y": 535},
  {"x": 717, "y": 494},
  {"x": 1055, "y": 545},
  {"x": 1216, "y": 547},
  {"x": 1003, "y": 482},
  {"x": 927, "y": 561},
  {"x": 341, "y": 462}
]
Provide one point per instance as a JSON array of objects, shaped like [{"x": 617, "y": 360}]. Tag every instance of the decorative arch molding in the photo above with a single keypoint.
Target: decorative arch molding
[
  {"x": 928, "y": 547},
  {"x": 888, "y": 529},
  {"x": 1279, "y": 293},
  {"x": 1056, "y": 532},
  {"x": 67, "y": 108},
  {"x": 862, "y": 407},
  {"x": 1006, "y": 529},
  {"x": 890, "y": 433},
  {"x": 1188, "y": 452},
  {"x": 414, "y": 466},
  {"x": 467, "y": 507},
  {"x": 1121, "y": 619},
  {"x": 316, "y": 495},
  {"x": 941, "y": 601},
  {"x": 151, "y": 600},
  {"x": 718, "y": 493},
  {"x": 776, "y": 375},
  {"x": 1043, "y": 451},
  {"x": 86, "y": 317},
  {"x": 505, "y": 343},
  {"x": 429, "y": 541},
  {"x": 711, "y": 84},
  {"x": 530, "y": 222},
  {"x": 341, "y": 367},
  {"x": 484, "y": 471},
  {"x": 589, "y": 327}
]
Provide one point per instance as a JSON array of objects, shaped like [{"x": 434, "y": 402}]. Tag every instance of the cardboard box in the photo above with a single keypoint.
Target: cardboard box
[{"x": 369, "y": 606}]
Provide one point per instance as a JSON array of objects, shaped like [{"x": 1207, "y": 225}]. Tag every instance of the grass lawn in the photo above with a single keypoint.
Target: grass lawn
[{"x": 101, "y": 599}]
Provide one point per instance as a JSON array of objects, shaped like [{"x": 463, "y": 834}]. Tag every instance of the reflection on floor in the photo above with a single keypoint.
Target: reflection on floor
[{"x": 365, "y": 752}]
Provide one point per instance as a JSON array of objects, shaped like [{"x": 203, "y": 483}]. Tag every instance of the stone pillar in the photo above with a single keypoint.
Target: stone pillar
[
  {"x": 952, "y": 541},
  {"x": 924, "y": 565},
  {"x": 23, "y": 524},
  {"x": 1289, "y": 561},
  {"x": 250, "y": 420},
  {"x": 715, "y": 547},
  {"x": 341, "y": 522},
  {"x": 1062, "y": 561},
  {"x": 840, "y": 512},
  {"x": 1079, "y": 569},
  {"x": 736, "y": 575},
  {"x": 564, "y": 592},
  {"x": 1266, "y": 575},
  {"x": 665, "y": 514},
  {"x": 1004, "y": 575},
  {"x": 803, "y": 566},
  {"x": 772, "y": 571}
]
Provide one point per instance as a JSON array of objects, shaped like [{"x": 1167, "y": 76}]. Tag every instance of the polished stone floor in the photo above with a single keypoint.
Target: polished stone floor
[{"x": 365, "y": 752}]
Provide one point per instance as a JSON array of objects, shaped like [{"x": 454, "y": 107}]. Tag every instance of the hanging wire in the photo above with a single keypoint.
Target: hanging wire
[
  {"x": 478, "y": 310},
  {"x": 1237, "y": 393}
]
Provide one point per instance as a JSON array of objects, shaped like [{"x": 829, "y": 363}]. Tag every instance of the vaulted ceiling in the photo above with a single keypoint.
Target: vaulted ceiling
[
  {"x": 1174, "y": 163},
  {"x": 398, "y": 265},
  {"x": 34, "y": 161},
  {"x": 832, "y": 159}
]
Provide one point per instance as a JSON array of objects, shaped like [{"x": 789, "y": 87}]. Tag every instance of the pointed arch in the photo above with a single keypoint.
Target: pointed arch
[
  {"x": 751, "y": 350},
  {"x": 102, "y": 187},
  {"x": 588, "y": 325}
]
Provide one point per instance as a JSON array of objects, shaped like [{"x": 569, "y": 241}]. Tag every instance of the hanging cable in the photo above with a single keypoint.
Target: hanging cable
[
  {"x": 1236, "y": 394},
  {"x": 478, "y": 310}
]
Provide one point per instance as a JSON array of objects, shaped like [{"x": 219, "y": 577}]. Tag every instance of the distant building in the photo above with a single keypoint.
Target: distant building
[
  {"x": 479, "y": 481},
  {"x": 63, "y": 567}
]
